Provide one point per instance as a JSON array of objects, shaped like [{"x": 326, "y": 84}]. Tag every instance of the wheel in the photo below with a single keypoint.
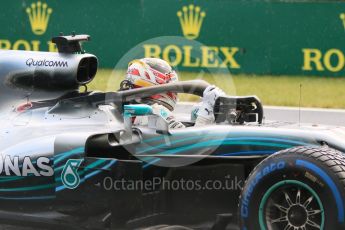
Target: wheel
[{"x": 302, "y": 188}]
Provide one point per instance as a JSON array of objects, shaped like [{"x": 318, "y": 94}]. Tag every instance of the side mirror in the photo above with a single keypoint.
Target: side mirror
[
  {"x": 157, "y": 122},
  {"x": 137, "y": 110},
  {"x": 154, "y": 121},
  {"x": 133, "y": 111}
]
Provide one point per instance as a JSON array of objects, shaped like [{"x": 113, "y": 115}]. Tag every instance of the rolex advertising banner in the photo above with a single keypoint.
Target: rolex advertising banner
[{"x": 268, "y": 37}]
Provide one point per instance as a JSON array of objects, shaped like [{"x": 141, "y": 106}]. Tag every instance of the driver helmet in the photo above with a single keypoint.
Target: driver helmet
[{"x": 147, "y": 72}]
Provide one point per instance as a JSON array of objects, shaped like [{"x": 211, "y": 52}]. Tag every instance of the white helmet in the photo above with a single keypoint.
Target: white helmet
[{"x": 148, "y": 72}]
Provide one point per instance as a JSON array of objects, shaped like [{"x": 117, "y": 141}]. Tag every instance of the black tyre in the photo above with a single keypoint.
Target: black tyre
[{"x": 301, "y": 188}]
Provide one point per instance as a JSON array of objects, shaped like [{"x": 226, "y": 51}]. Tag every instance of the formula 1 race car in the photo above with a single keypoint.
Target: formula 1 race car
[{"x": 74, "y": 160}]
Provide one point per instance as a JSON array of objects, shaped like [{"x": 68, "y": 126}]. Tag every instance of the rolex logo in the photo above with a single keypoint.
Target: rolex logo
[
  {"x": 39, "y": 17},
  {"x": 342, "y": 17},
  {"x": 191, "y": 19}
]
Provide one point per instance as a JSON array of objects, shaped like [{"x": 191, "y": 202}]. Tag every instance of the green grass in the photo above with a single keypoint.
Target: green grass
[{"x": 272, "y": 90}]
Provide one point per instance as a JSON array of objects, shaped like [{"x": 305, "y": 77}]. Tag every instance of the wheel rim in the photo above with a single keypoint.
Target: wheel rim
[{"x": 291, "y": 205}]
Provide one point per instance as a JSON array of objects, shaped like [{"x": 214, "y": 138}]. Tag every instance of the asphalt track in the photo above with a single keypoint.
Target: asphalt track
[{"x": 290, "y": 114}]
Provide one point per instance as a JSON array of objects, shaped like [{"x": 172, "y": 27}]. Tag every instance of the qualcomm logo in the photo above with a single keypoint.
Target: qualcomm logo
[{"x": 70, "y": 177}]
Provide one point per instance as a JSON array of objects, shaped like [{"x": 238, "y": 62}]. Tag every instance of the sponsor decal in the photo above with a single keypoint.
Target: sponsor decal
[
  {"x": 13, "y": 166},
  {"x": 182, "y": 55},
  {"x": 69, "y": 176},
  {"x": 191, "y": 18},
  {"x": 39, "y": 14},
  {"x": 48, "y": 63},
  {"x": 342, "y": 18},
  {"x": 332, "y": 60},
  {"x": 259, "y": 176},
  {"x": 21, "y": 44}
]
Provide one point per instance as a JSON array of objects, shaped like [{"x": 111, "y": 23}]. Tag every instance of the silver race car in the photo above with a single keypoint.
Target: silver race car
[{"x": 74, "y": 159}]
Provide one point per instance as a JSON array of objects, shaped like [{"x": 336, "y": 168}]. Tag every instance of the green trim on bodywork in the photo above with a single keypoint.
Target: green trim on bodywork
[
  {"x": 31, "y": 188},
  {"x": 221, "y": 143},
  {"x": 46, "y": 186}
]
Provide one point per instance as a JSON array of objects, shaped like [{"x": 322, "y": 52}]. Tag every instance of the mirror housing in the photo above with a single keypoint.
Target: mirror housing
[
  {"x": 130, "y": 111},
  {"x": 158, "y": 123},
  {"x": 154, "y": 121},
  {"x": 137, "y": 110}
]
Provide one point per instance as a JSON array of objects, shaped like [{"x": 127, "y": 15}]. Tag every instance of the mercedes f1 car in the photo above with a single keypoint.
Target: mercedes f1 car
[{"x": 74, "y": 159}]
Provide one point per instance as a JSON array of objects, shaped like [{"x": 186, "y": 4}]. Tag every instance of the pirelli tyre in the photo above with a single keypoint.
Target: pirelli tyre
[{"x": 302, "y": 188}]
